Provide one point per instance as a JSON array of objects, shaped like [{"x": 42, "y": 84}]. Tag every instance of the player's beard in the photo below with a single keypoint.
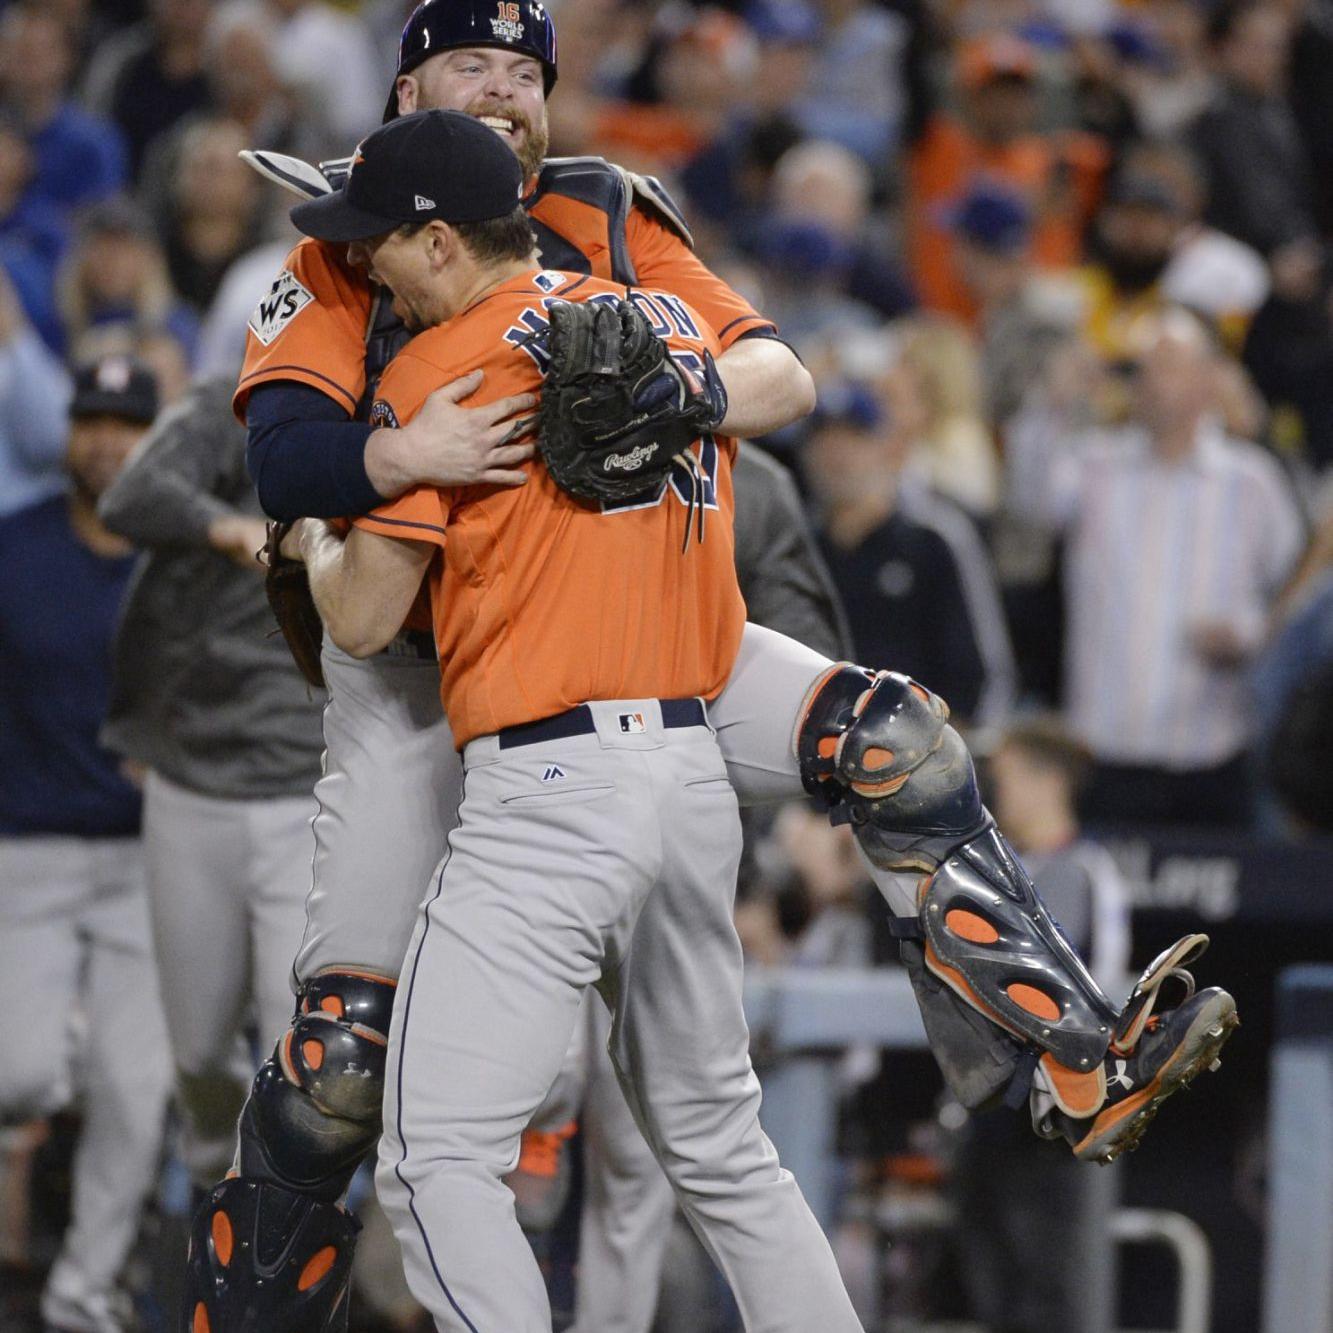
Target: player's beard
[{"x": 534, "y": 141}]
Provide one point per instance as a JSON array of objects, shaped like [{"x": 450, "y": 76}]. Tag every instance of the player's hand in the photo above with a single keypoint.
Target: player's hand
[
  {"x": 239, "y": 537},
  {"x": 446, "y": 444}
]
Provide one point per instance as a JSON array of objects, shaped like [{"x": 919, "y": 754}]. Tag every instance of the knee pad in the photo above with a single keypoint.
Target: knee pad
[
  {"x": 878, "y": 751},
  {"x": 263, "y": 1259},
  {"x": 314, "y": 1109}
]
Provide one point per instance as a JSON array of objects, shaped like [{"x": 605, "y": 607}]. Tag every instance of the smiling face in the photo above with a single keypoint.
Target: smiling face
[{"x": 503, "y": 89}]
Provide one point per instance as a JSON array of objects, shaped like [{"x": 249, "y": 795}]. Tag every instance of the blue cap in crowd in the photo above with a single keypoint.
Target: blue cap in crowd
[
  {"x": 847, "y": 403},
  {"x": 783, "y": 22},
  {"x": 992, "y": 218}
]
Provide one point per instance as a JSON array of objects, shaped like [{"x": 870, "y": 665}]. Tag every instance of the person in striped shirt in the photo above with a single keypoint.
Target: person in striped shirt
[{"x": 1178, "y": 538}]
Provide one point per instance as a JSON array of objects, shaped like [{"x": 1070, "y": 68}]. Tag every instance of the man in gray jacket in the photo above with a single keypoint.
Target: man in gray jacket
[{"x": 207, "y": 701}]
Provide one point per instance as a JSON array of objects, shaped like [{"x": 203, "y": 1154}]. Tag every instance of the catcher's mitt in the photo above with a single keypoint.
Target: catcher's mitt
[
  {"x": 617, "y": 411},
  {"x": 293, "y": 607}
]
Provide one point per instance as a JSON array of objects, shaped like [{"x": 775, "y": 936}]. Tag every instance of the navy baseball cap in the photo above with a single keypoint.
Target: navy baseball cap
[
  {"x": 431, "y": 165},
  {"x": 992, "y": 218},
  {"x": 114, "y": 386}
]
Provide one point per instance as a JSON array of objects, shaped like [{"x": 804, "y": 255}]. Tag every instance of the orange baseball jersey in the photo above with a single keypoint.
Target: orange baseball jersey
[
  {"x": 541, "y": 601},
  {"x": 314, "y": 325}
]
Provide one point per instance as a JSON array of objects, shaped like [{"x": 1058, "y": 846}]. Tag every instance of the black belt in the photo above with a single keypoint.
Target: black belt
[{"x": 578, "y": 721}]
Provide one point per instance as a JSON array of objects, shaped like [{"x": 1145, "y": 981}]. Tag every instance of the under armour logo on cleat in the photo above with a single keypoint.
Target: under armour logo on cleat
[
  {"x": 1121, "y": 1078},
  {"x": 553, "y": 773}
]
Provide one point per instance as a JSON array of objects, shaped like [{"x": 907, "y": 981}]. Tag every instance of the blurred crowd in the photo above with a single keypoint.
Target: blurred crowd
[{"x": 1061, "y": 269}]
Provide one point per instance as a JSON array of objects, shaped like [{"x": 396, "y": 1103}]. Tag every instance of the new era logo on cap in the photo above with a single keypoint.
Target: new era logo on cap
[{"x": 431, "y": 165}]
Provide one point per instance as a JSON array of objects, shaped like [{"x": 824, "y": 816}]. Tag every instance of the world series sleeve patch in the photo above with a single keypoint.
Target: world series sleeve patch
[{"x": 285, "y": 300}]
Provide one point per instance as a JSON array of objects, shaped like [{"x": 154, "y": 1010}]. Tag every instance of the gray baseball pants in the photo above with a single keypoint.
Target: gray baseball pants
[
  {"x": 387, "y": 802},
  {"x": 84, "y": 1025},
  {"x": 227, "y": 883},
  {"x": 392, "y": 785},
  {"x": 618, "y": 872}
]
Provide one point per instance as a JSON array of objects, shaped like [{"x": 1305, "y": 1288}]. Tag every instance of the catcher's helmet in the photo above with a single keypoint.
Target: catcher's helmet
[{"x": 441, "y": 25}]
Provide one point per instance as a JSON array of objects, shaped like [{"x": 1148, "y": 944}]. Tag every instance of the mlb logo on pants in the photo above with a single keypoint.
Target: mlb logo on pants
[{"x": 631, "y": 722}]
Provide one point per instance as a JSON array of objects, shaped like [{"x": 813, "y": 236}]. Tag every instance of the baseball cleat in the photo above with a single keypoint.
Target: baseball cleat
[{"x": 1174, "y": 1048}]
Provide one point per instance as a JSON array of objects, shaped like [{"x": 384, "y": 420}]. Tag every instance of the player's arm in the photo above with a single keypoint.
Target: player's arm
[
  {"x": 767, "y": 386},
  {"x": 364, "y": 584},
  {"x": 308, "y": 457},
  {"x": 304, "y": 376}
]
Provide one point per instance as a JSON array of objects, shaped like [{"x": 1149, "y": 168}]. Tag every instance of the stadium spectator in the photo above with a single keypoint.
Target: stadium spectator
[
  {"x": 78, "y": 158},
  {"x": 1178, "y": 540},
  {"x": 936, "y": 394},
  {"x": 211, "y": 707},
  {"x": 324, "y": 53},
  {"x": 74, "y": 939},
  {"x": 250, "y": 86},
  {"x": 1289, "y": 351},
  {"x": 821, "y": 194},
  {"x": 699, "y": 69},
  {"x": 1036, "y": 1228},
  {"x": 151, "y": 74},
  {"x": 996, "y": 137},
  {"x": 214, "y": 211},
  {"x": 33, "y": 234},
  {"x": 1020, "y": 316},
  {"x": 917, "y": 582},
  {"x": 34, "y": 394},
  {"x": 866, "y": 76},
  {"x": 1209, "y": 272},
  {"x": 1293, "y": 689},
  {"x": 116, "y": 276},
  {"x": 1173, "y": 84},
  {"x": 1259, "y": 188},
  {"x": 1308, "y": 75}
]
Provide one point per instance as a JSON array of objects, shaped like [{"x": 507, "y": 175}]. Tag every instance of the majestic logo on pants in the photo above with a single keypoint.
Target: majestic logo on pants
[
  {"x": 630, "y": 723},
  {"x": 553, "y": 773}
]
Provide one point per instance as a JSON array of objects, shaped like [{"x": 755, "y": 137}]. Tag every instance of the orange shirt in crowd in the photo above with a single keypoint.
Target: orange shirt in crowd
[
  {"x": 541, "y": 601},
  {"x": 1061, "y": 176}
]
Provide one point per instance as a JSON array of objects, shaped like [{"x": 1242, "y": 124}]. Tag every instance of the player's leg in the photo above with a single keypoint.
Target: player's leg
[
  {"x": 194, "y": 854},
  {"x": 126, "y": 1076},
  {"x": 517, "y": 929},
  {"x": 628, "y": 1202},
  {"x": 385, "y": 804},
  {"x": 1007, "y": 1003},
  {"x": 877, "y": 751},
  {"x": 681, "y": 1046},
  {"x": 45, "y": 882}
]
